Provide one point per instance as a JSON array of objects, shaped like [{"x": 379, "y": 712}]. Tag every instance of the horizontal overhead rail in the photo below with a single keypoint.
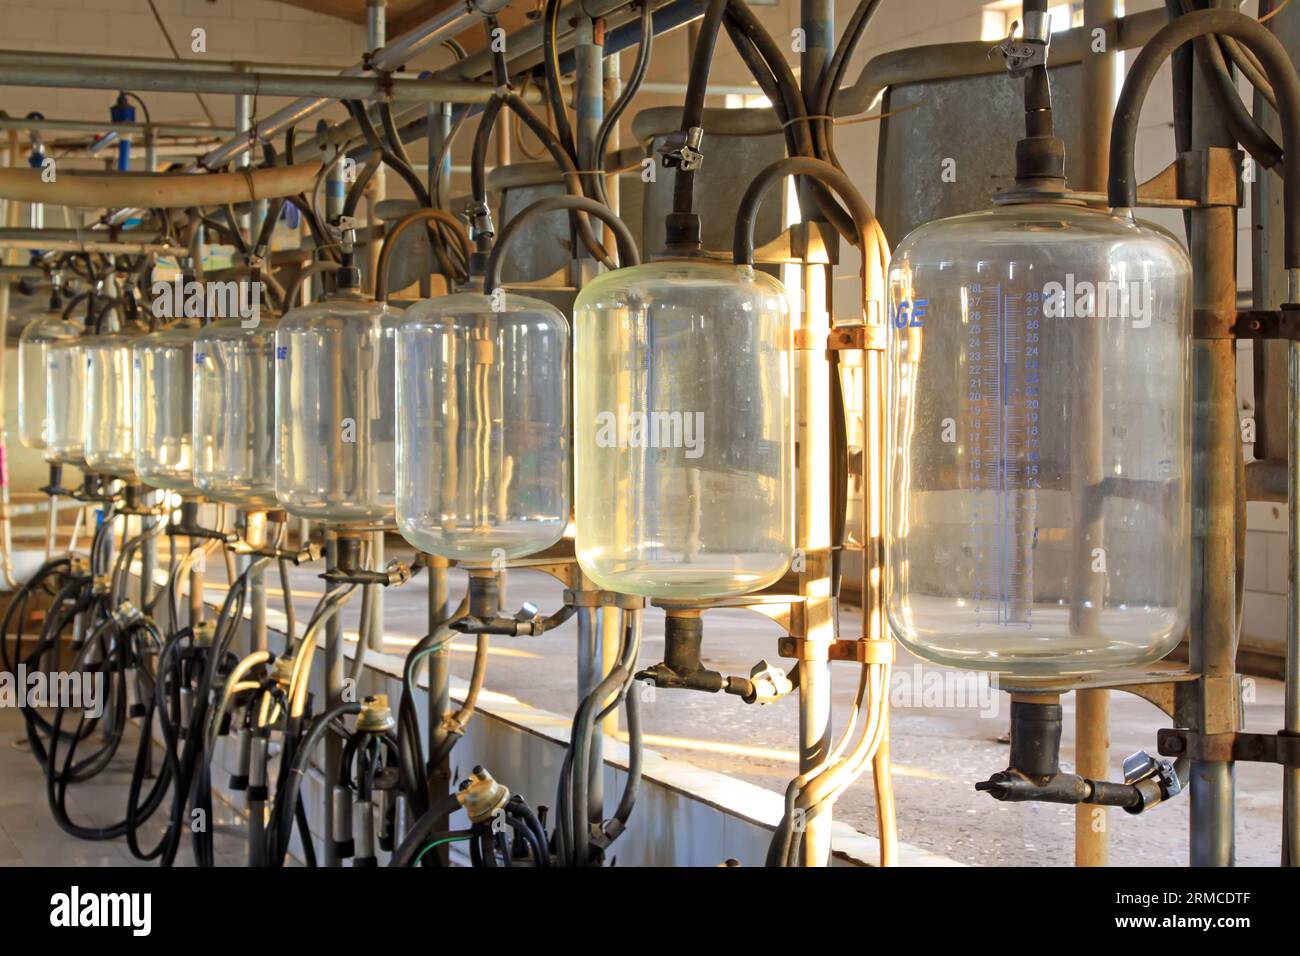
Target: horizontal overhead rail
[
  {"x": 394, "y": 89},
  {"x": 44, "y": 125}
]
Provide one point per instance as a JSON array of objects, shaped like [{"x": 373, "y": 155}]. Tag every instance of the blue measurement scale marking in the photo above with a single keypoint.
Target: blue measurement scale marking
[{"x": 1002, "y": 360}]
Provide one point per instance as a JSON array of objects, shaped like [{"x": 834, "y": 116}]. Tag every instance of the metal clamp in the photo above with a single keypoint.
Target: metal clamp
[
  {"x": 858, "y": 338},
  {"x": 1280, "y": 748},
  {"x": 861, "y": 651},
  {"x": 682, "y": 150},
  {"x": 1028, "y": 50},
  {"x": 480, "y": 219}
]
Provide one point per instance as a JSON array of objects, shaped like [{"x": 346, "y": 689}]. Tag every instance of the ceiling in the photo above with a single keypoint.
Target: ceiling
[{"x": 402, "y": 15}]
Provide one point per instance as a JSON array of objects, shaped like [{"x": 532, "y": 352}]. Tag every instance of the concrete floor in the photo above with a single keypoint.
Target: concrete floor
[
  {"x": 941, "y": 747},
  {"x": 29, "y": 835}
]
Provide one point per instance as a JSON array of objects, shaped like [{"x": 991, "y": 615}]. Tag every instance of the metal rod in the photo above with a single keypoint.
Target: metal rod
[
  {"x": 243, "y": 119},
  {"x": 334, "y": 689},
  {"x": 109, "y": 62},
  {"x": 589, "y": 100},
  {"x": 1291, "y": 706},
  {"x": 589, "y": 662},
  {"x": 374, "y": 628},
  {"x": 1215, "y": 442},
  {"x": 813, "y": 524},
  {"x": 376, "y": 37},
  {"x": 255, "y": 534},
  {"x": 439, "y": 690},
  {"x": 441, "y": 26},
  {"x": 94, "y": 126},
  {"x": 393, "y": 89},
  {"x": 1092, "y": 707}
]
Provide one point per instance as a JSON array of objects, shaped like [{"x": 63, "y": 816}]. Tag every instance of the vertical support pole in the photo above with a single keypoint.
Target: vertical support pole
[
  {"x": 333, "y": 695},
  {"x": 1291, "y": 705},
  {"x": 255, "y": 535},
  {"x": 439, "y": 774},
  {"x": 335, "y": 191},
  {"x": 613, "y": 88},
  {"x": 589, "y": 96},
  {"x": 813, "y": 541},
  {"x": 1092, "y": 707},
  {"x": 197, "y": 568},
  {"x": 376, "y": 192},
  {"x": 1215, "y": 440},
  {"x": 243, "y": 121},
  {"x": 439, "y": 128},
  {"x": 812, "y": 514},
  {"x": 590, "y": 104},
  {"x": 589, "y": 663},
  {"x": 375, "y": 626},
  {"x": 150, "y": 151},
  {"x": 611, "y": 624},
  {"x": 148, "y": 561}
]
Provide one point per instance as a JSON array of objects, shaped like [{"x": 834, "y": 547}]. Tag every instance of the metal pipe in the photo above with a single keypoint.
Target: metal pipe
[
  {"x": 90, "y": 245},
  {"x": 441, "y": 26},
  {"x": 1291, "y": 705},
  {"x": 589, "y": 102},
  {"x": 439, "y": 690},
  {"x": 813, "y": 527},
  {"x": 255, "y": 534},
  {"x": 243, "y": 119},
  {"x": 96, "y": 127},
  {"x": 1092, "y": 707},
  {"x": 99, "y": 61},
  {"x": 589, "y": 676},
  {"x": 334, "y": 688},
  {"x": 1215, "y": 437},
  {"x": 156, "y": 190},
  {"x": 9, "y": 216},
  {"x": 392, "y": 89},
  {"x": 376, "y": 37},
  {"x": 374, "y": 627}
]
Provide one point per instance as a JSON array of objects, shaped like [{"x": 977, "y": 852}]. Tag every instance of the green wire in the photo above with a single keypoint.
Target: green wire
[
  {"x": 431, "y": 649},
  {"x": 436, "y": 843}
]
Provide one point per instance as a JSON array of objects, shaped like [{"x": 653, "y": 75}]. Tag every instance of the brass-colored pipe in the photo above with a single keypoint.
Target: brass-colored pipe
[{"x": 156, "y": 190}]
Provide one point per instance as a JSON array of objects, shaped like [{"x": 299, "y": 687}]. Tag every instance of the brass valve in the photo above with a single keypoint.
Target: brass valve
[{"x": 482, "y": 796}]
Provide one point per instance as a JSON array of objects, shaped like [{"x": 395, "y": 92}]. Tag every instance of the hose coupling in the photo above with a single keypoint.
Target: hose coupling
[
  {"x": 767, "y": 683},
  {"x": 127, "y": 614},
  {"x": 204, "y": 633},
  {"x": 1155, "y": 779}
]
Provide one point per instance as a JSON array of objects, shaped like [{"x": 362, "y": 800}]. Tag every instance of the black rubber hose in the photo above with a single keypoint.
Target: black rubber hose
[
  {"x": 554, "y": 91},
  {"x": 1281, "y": 74},
  {"x": 572, "y": 176},
  {"x": 1253, "y": 138},
  {"x": 584, "y": 725},
  {"x": 620, "y": 105},
  {"x": 286, "y": 799},
  {"x": 799, "y": 126},
  {"x": 830, "y": 176},
  {"x": 423, "y": 830},
  {"x": 693, "y": 106},
  {"x": 478, "y": 157},
  {"x": 627, "y": 251}
]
